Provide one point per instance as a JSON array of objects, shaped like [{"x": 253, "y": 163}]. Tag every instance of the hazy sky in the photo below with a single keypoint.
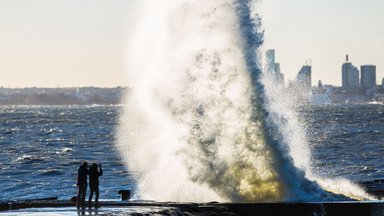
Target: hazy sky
[
  {"x": 82, "y": 42},
  {"x": 63, "y": 42}
]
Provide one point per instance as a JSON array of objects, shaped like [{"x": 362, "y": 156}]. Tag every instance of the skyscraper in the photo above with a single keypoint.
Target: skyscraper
[
  {"x": 368, "y": 76},
  {"x": 270, "y": 64},
  {"x": 350, "y": 76},
  {"x": 302, "y": 83},
  {"x": 304, "y": 77},
  {"x": 279, "y": 75},
  {"x": 272, "y": 68},
  {"x": 382, "y": 83}
]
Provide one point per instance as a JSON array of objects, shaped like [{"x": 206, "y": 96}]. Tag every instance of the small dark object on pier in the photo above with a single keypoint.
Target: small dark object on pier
[
  {"x": 74, "y": 199},
  {"x": 125, "y": 194}
]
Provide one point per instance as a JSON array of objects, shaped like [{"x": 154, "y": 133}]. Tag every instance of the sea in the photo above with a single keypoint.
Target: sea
[{"x": 43, "y": 146}]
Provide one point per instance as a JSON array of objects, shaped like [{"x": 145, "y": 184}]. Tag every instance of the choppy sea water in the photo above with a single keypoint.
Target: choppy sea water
[
  {"x": 346, "y": 140},
  {"x": 42, "y": 147}
]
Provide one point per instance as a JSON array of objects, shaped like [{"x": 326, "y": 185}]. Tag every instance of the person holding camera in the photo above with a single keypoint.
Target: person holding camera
[{"x": 94, "y": 172}]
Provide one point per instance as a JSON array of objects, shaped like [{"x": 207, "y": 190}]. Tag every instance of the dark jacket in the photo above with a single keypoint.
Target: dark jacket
[
  {"x": 94, "y": 176},
  {"x": 82, "y": 173}
]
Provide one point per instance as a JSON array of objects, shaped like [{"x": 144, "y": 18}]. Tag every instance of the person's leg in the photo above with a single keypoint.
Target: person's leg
[
  {"x": 90, "y": 197},
  {"x": 97, "y": 197},
  {"x": 83, "y": 192},
  {"x": 79, "y": 192}
]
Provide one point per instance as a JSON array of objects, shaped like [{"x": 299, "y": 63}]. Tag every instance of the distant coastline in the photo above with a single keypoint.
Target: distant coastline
[{"x": 62, "y": 96}]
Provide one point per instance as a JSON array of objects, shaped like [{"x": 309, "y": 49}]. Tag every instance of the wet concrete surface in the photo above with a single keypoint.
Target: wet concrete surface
[{"x": 57, "y": 207}]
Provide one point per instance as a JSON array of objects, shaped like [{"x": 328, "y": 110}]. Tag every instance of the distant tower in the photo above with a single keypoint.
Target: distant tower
[
  {"x": 304, "y": 77},
  {"x": 273, "y": 68},
  {"x": 350, "y": 75},
  {"x": 319, "y": 84},
  {"x": 303, "y": 82},
  {"x": 279, "y": 76},
  {"x": 382, "y": 83},
  {"x": 270, "y": 65},
  {"x": 368, "y": 76}
]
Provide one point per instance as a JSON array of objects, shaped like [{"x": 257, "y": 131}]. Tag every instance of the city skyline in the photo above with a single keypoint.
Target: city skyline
[
  {"x": 324, "y": 31},
  {"x": 76, "y": 43}
]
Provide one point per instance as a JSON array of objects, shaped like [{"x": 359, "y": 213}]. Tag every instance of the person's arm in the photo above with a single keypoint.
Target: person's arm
[
  {"x": 78, "y": 177},
  {"x": 101, "y": 170}
]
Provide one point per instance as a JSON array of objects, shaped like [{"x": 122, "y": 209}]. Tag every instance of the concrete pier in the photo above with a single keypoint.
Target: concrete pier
[
  {"x": 349, "y": 208},
  {"x": 52, "y": 205}
]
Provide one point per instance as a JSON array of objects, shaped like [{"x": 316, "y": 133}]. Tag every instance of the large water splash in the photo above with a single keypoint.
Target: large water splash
[{"x": 199, "y": 126}]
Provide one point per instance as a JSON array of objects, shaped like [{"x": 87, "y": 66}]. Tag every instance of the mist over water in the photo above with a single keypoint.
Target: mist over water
[{"x": 203, "y": 124}]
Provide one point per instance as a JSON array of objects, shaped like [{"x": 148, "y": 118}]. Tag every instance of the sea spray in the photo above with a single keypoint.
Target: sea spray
[
  {"x": 283, "y": 105},
  {"x": 187, "y": 131},
  {"x": 292, "y": 176},
  {"x": 199, "y": 125},
  {"x": 157, "y": 146}
]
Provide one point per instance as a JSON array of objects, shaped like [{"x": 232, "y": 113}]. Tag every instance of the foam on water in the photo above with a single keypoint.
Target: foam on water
[{"x": 202, "y": 124}]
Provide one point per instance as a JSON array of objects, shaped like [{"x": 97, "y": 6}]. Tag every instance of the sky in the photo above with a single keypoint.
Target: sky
[{"x": 67, "y": 43}]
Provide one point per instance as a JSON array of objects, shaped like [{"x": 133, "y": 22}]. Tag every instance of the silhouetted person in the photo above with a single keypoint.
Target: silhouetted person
[
  {"x": 94, "y": 173},
  {"x": 82, "y": 173}
]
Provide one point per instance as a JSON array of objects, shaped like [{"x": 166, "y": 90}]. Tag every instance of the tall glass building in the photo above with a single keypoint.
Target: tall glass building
[
  {"x": 368, "y": 76},
  {"x": 350, "y": 76},
  {"x": 304, "y": 77}
]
